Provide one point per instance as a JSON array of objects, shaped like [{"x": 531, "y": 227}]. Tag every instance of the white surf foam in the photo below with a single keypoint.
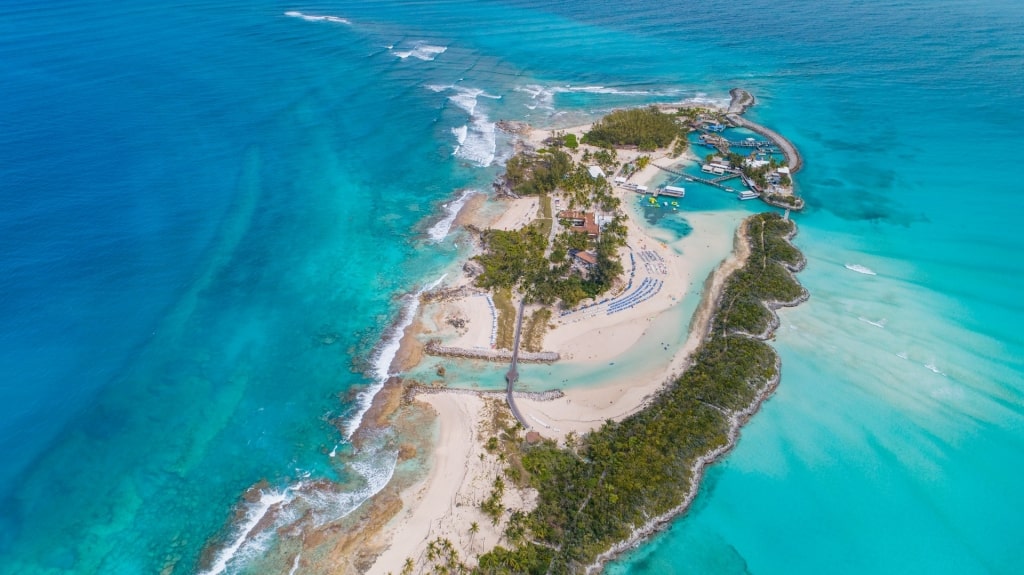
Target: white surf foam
[
  {"x": 705, "y": 100},
  {"x": 268, "y": 501},
  {"x": 385, "y": 355},
  {"x": 540, "y": 97},
  {"x": 439, "y": 231},
  {"x": 544, "y": 96},
  {"x": 861, "y": 269},
  {"x": 295, "y": 564},
  {"x": 330, "y": 506},
  {"x": 613, "y": 91},
  {"x": 323, "y": 501},
  {"x": 460, "y": 134},
  {"x": 421, "y": 51},
  {"x": 477, "y": 141},
  {"x": 315, "y": 18}
]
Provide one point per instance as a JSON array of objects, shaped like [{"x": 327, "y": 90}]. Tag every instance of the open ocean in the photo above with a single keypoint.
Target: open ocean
[{"x": 212, "y": 215}]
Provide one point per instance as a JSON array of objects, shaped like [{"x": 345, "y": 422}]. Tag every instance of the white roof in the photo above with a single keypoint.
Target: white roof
[
  {"x": 784, "y": 170},
  {"x": 641, "y": 188},
  {"x": 595, "y": 171},
  {"x": 620, "y": 180}
]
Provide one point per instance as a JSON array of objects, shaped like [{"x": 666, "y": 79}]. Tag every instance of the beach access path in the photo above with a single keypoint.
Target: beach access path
[{"x": 513, "y": 372}]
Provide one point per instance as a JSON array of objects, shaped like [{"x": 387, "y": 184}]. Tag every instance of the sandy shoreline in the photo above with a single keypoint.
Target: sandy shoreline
[{"x": 445, "y": 502}]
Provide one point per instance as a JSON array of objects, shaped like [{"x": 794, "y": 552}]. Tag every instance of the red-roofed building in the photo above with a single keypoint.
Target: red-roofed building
[{"x": 582, "y": 222}]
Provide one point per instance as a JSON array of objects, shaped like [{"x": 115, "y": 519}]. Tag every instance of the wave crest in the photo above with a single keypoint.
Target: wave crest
[
  {"x": 421, "y": 51},
  {"x": 315, "y": 18},
  {"x": 440, "y": 230}
]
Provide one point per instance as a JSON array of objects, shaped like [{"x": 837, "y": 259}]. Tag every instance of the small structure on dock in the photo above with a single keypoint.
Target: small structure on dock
[{"x": 671, "y": 191}]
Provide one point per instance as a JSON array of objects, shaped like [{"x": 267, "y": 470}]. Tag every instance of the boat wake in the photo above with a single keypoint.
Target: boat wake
[{"x": 861, "y": 269}]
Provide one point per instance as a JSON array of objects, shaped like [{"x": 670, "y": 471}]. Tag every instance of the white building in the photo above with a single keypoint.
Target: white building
[{"x": 596, "y": 172}]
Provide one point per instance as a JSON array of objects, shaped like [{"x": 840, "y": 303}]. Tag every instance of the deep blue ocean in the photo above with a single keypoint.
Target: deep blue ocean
[{"x": 212, "y": 215}]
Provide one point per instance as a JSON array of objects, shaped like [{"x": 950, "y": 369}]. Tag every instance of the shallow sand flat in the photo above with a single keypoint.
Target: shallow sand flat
[
  {"x": 620, "y": 337},
  {"x": 479, "y": 321}
]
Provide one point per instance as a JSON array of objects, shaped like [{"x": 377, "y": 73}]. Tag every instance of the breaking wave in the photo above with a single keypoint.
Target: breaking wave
[
  {"x": 289, "y": 511},
  {"x": 439, "y": 231},
  {"x": 314, "y": 18},
  {"x": 544, "y": 96},
  {"x": 385, "y": 355},
  {"x": 420, "y": 51},
  {"x": 477, "y": 140}
]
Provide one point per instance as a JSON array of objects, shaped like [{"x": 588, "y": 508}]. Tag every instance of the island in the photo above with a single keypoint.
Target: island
[{"x": 561, "y": 479}]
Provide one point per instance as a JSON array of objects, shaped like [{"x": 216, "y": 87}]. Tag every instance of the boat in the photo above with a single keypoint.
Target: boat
[{"x": 747, "y": 195}]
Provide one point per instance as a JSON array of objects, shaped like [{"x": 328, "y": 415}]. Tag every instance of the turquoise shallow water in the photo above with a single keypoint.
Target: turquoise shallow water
[{"x": 211, "y": 214}]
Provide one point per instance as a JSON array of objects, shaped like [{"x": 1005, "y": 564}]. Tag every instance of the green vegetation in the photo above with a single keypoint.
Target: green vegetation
[
  {"x": 537, "y": 174},
  {"x": 492, "y": 506},
  {"x": 593, "y": 493},
  {"x": 512, "y": 258},
  {"x": 506, "y": 318},
  {"x": 681, "y": 145},
  {"x": 571, "y": 142},
  {"x": 533, "y": 331},
  {"x": 545, "y": 207},
  {"x": 646, "y": 128},
  {"x": 783, "y": 200},
  {"x": 516, "y": 260},
  {"x": 759, "y": 174}
]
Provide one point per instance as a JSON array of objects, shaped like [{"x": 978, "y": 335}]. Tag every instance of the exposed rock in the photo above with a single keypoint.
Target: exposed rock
[{"x": 513, "y": 127}]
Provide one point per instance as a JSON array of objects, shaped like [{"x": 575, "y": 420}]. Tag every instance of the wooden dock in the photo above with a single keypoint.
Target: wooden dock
[{"x": 716, "y": 182}]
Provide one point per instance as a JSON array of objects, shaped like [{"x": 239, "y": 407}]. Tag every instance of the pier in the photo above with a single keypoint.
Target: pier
[
  {"x": 513, "y": 372},
  {"x": 716, "y": 182},
  {"x": 741, "y": 101}
]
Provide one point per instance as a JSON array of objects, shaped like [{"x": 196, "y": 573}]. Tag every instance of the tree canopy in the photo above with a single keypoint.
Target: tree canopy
[{"x": 647, "y": 128}]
